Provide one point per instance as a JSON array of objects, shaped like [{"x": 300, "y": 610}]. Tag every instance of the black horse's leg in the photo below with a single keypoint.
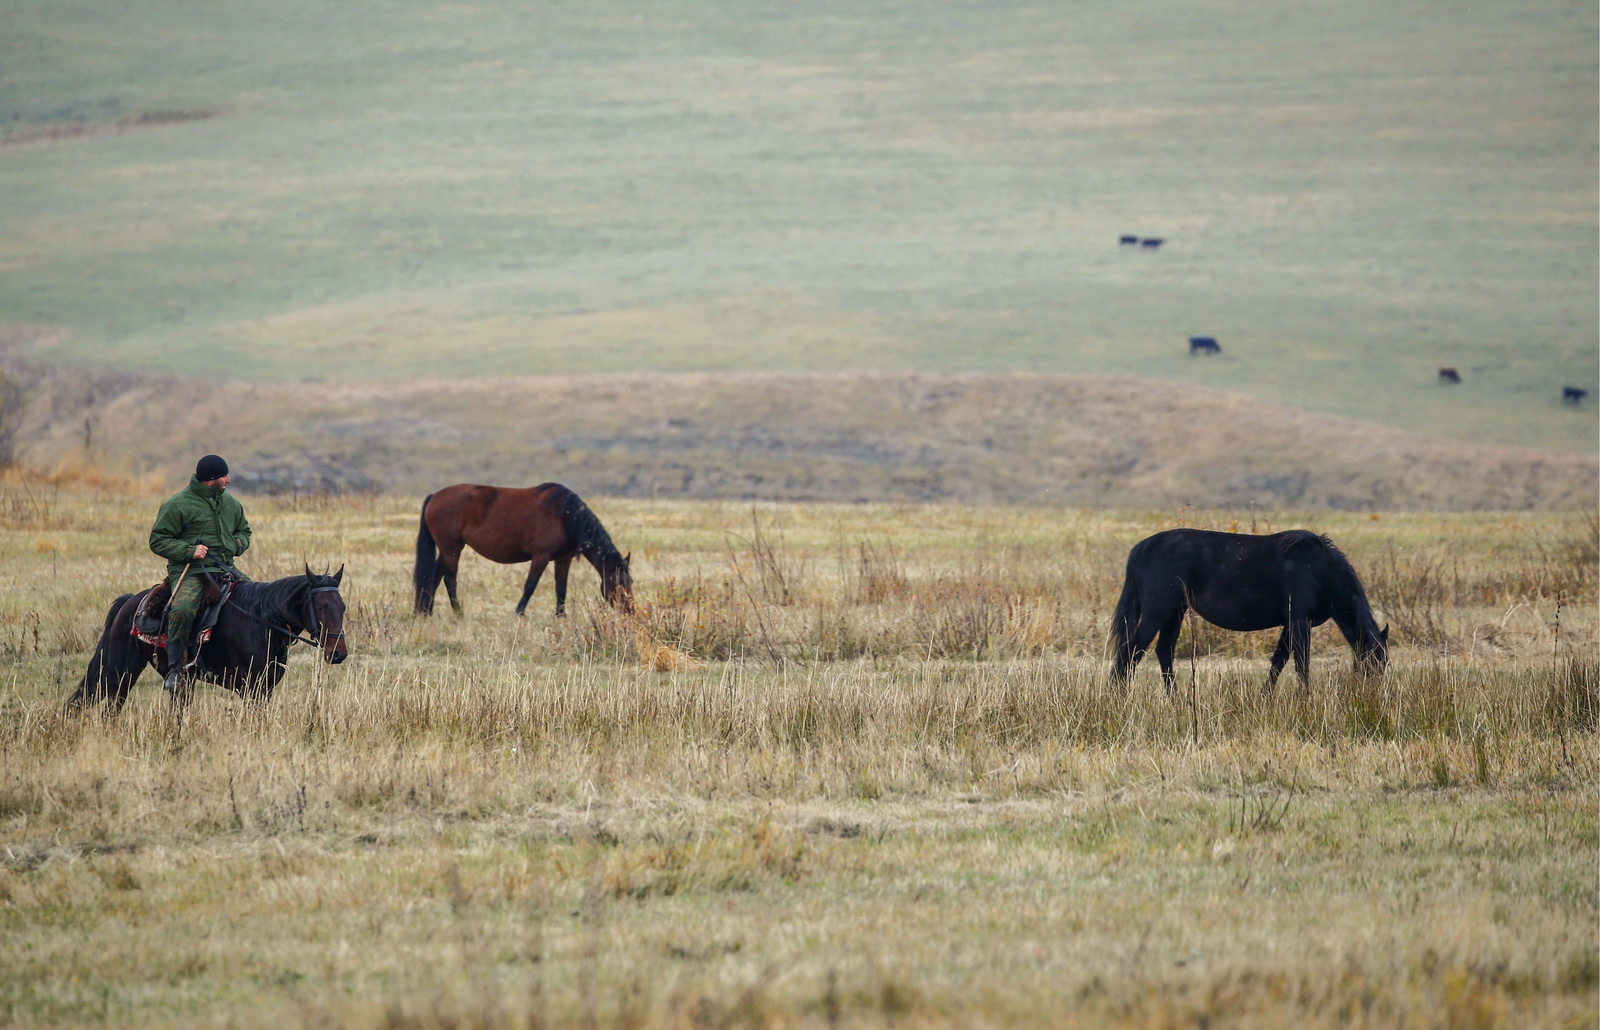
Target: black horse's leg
[
  {"x": 118, "y": 674},
  {"x": 1300, "y": 648},
  {"x": 535, "y": 570},
  {"x": 1166, "y": 647},
  {"x": 114, "y": 656},
  {"x": 116, "y": 687},
  {"x": 562, "y": 567},
  {"x": 91, "y": 689},
  {"x": 261, "y": 677},
  {"x": 1123, "y": 662},
  {"x": 1280, "y": 655},
  {"x": 1133, "y": 648}
]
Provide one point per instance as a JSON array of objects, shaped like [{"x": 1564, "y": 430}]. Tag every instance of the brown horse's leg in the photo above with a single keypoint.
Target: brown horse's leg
[
  {"x": 535, "y": 570},
  {"x": 448, "y": 563},
  {"x": 562, "y": 566}
]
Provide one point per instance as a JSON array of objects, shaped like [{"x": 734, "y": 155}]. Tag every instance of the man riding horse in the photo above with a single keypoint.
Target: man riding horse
[{"x": 200, "y": 530}]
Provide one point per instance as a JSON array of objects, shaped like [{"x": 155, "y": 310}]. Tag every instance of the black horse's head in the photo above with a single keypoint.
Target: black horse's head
[
  {"x": 324, "y": 615},
  {"x": 1372, "y": 650},
  {"x": 616, "y": 583}
]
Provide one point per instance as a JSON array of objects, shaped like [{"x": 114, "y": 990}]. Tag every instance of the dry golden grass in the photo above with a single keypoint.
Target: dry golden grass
[
  {"x": 889, "y": 437},
  {"x": 849, "y": 766}
]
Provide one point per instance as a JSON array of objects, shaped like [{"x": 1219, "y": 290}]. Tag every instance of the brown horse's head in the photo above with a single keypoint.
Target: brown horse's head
[
  {"x": 616, "y": 583},
  {"x": 326, "y": 609}
]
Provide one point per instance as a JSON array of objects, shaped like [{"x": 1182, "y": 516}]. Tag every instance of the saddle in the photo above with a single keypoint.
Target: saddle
[{"x": 150, "y": 618}]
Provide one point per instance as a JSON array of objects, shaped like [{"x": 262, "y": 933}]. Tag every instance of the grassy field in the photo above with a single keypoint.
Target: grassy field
[
  {"x": 1352, "y": 194},
  {"x": 851, "y": 765}
]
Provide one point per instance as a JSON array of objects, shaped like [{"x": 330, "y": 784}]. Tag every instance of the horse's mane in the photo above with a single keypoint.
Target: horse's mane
[
  {"x": 278, "y": 599},
  {"x": 1298, "y": 539},
  {"x": 1294, "y": 539},
  {"x": 585, "y": 527}
]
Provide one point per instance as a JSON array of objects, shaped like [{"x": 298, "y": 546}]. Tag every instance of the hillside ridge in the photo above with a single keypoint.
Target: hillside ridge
[{"x": 1031, "y": 438}]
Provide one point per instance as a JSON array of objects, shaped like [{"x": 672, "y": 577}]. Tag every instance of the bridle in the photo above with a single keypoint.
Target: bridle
[
  {"x": 316, "y": 621},
  {"x": 295, "y": 638}
]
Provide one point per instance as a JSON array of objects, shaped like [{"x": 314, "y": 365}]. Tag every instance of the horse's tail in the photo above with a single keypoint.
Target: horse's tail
[
  {"x": 1124, "y": 621},
  {"x": 90, "y": 688},
  {"x": 425, "y": 576}
]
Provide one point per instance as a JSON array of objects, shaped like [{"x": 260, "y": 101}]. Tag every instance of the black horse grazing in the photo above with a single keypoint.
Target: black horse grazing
[
  {"x": 1242, "y": 582},
  {"x": 539, "y": 525},
  {"x": 249, "y": 646}
]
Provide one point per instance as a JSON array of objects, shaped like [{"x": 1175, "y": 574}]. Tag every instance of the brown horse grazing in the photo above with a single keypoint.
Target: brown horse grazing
[{"x": 541, "y": 524}]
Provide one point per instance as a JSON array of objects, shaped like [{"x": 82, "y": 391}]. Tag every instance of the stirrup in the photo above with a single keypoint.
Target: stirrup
[{"x": 174, "y": 681}]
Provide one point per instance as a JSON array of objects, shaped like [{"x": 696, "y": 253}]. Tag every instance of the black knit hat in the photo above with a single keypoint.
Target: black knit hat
[{"x": 210, "y": 467}]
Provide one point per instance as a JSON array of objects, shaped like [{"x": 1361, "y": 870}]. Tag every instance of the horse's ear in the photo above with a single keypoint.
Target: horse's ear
[
  {"x": 1383, "y": 634},
  {"x": 309, "y": 573},
  {"x": 627, "y": 558},
  {"x": 338, "y": 576}
]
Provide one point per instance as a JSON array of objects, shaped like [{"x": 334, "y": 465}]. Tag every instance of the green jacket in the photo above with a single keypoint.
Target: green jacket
[{"x": 200, "y": 514}]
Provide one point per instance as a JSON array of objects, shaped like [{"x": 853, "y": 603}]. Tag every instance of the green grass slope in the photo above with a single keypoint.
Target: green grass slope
[{"x": 1352, "y": 193}]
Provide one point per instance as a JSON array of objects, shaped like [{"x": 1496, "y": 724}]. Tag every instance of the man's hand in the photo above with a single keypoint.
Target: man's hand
[{"x": 199, "y": 551}]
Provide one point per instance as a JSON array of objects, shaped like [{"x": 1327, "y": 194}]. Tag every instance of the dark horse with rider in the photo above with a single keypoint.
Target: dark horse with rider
[{"x": 206, "y": 620}]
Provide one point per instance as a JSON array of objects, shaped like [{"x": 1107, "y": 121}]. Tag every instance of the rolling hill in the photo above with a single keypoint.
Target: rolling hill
[{"x": 967, "y": 437}]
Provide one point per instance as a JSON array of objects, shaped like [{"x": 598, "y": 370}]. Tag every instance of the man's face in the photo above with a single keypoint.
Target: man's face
[{"x": 220, "y": 484}]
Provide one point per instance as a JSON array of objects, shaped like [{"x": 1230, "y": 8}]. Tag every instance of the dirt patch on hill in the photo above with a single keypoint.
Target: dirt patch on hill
[
  {"x": 57, "y": 132},
  {"x": 1011, "y": 438}
]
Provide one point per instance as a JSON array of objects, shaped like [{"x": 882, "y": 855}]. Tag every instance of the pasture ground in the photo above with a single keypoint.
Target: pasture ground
[{"x": 852, "y": 765}]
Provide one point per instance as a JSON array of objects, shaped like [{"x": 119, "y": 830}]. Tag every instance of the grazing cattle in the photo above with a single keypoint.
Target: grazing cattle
[
  {"x": 1449, "y": 376},
  {"x": 1241, "y": 582},
  {"x": 1127, "y": 241},
  {"x": 1573, "y": 395},
  {"x": 1151, "y": 243},
  {"x": 1204, "y": 345}
]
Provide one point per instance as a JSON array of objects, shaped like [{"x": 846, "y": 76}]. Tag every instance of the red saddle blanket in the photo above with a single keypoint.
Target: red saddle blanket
[{"x": 150, "y": 618}]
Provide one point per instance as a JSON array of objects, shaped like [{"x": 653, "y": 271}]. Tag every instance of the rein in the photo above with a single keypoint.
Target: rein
[{"x": 294, "y": 638}]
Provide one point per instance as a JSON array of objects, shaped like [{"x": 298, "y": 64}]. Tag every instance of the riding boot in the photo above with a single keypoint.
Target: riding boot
[{"x": 177, "y": 655}]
